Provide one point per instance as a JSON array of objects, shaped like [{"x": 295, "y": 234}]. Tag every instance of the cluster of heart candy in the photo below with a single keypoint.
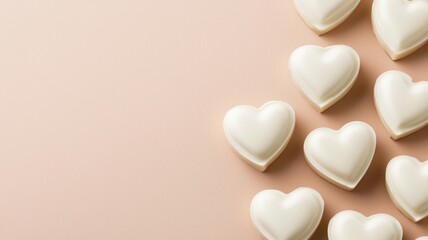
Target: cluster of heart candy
[{"x": 342, "y": 157}]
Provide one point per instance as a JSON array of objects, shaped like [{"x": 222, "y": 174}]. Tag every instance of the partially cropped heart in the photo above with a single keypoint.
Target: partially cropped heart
[
  {"x": 407, "y": 184},
  {"x": 341, "y": 157},
  {"x": 351, "y": 225},
  {"x": 279, "y": 216},
  {"x": 401, "y": 26},
  {"x": 324, "y": 75},
  {"x": 259, "y": 135},
  {"x": 402, "y": 104},
  {"x": 323, "y": 16}
]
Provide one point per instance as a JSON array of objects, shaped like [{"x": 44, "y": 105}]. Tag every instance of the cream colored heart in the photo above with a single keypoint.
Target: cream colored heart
[
  {"x": 351, "y": 225},
  {"x": 279, "y": 216},
  {"x": 324, "y": 75},
  {"x": 407, "y": 184},
  {"x": 401, "y": 26},
  {"x": 402, "y": 104},
  {"x": 323, "y": 16},
  {"x": 422, "y": 238},
  {"x": 258, "y": 136},
  {"x": 341, "y": 157}
]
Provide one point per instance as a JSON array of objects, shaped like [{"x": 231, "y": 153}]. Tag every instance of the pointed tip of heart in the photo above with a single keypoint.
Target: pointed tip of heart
[
  {"x": 322, "y": 108},
  {"x": 395, "y": 137},
  {"x": 260, "y": 168},
  {"x": 349, "y": 186},
  {"x": 322, "y": 18},
  {"x": 320, "y": 31},
  {"x": 395, "y": 57},
  {"x": 319, "y": 107},
  {"x": 392, "y": 54},
  {"x": 406, "y": 213}
]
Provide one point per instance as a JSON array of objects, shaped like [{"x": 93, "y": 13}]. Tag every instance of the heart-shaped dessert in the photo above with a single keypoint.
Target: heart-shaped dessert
[
  {"x": 422, "y": 238},
  {"x": 279, "y": 216},
  {"x": 341, "y": 157},
  {"x": 401, "y": 26},
  {"x": 259, "y": 135},
  {"x": 351, "y": 225},
  {"x": 324, "y": 75},
  {"x": 401, "y": 103},
  {"x": 323, "y": 16},
  {"x": 407, "y": 184}
]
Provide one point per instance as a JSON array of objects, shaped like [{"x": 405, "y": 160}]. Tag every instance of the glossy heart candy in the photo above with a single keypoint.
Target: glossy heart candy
[
  {"x": 323, "y": 16},
  {"x": 351, "y": 225},
  {"x": 324, "y": 75},
  {"x": 341, "y": 157},
  {"x": 401, "y": 26},
  {"x": 259, "y": 135},
  {"x": 402, "y": 104},
  {"x": 407, "y": 184},
  {"x": 280, "y": 216}
]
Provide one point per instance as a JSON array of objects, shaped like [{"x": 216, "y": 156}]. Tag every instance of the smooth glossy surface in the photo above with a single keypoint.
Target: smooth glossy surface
[
  {"x": 293, "y": 216},
  {"x": 342, "y": 157},
  {"x": 259, "y": 135},
  {"x": 324, "y": 75},
  {"x": 323, "y": 16},
  {"x": 401, "y": 103},
  {"x": 407, "y": 184},
  {"x": 352, "y": 225},
  {"x": 401, "y": 26}
]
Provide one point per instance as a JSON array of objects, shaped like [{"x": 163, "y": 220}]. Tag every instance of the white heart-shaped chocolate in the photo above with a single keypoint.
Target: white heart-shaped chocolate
[
  {"x": 280, "y": 216},
  {"x": 324, "y": 75},
  {"x": 341, "y": 157},
  {"x": 258, "y": 136},
  {"x": 401, "y": 103},
  {"x": 323, "y": 16},
  {"x": 407, "y": 184},
  {"x": 422, "y": 238},
  {"x": 351, "y": 225},
  {"x": 401, "y": 26}
]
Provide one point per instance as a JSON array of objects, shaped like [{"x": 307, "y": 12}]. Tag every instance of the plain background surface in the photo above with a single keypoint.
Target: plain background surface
[{"x": 111, "y": 117}]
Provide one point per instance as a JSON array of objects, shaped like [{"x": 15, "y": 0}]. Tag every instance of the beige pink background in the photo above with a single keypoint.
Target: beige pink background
[{"x": 111, "y": 117}]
